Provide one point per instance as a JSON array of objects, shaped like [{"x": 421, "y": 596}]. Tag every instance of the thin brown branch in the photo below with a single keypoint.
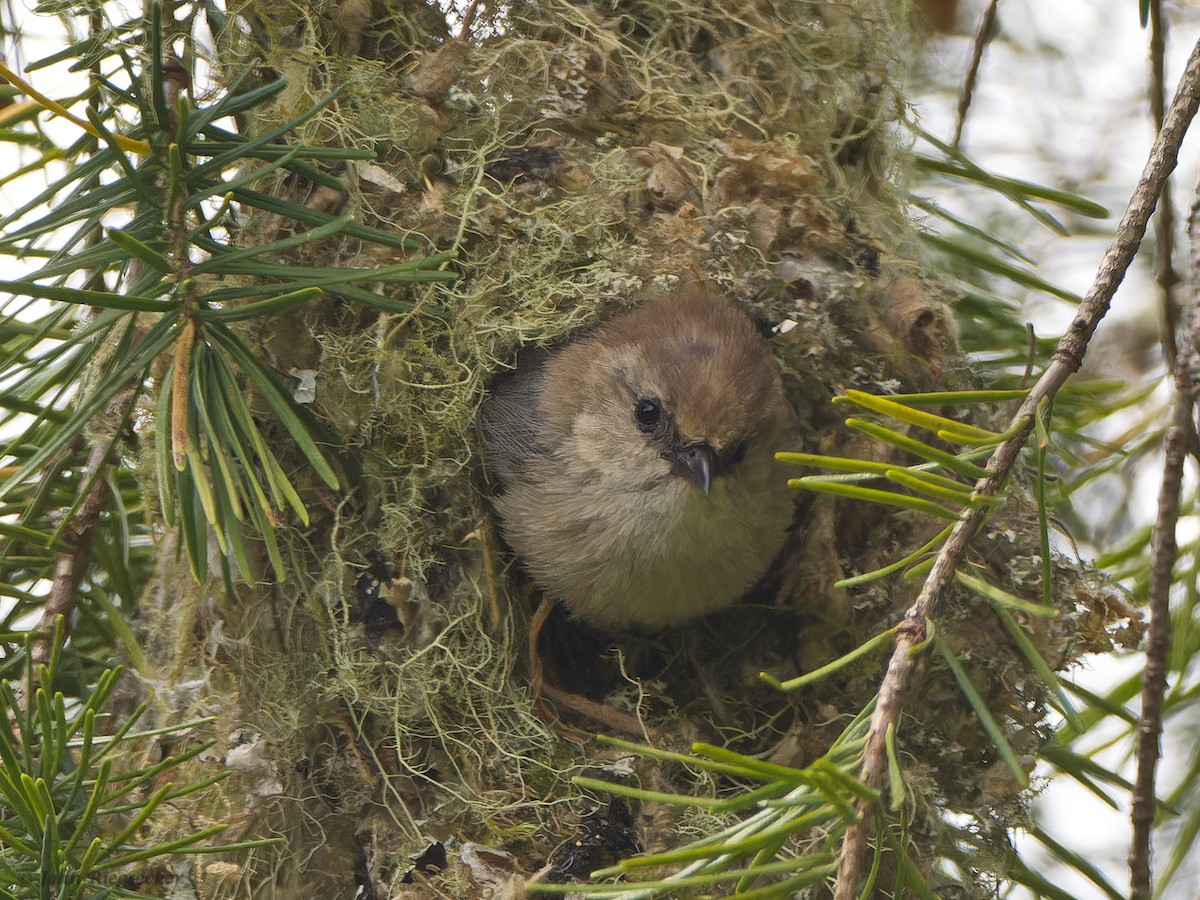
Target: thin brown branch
[
  {"x": 1068, "y": 357},
  {"x": 78, "y": 537},
  {"x": 1163, "y": 549},
  {"x": 606, "y": 717},
  {"x": 1177, "y": 446},
  {"x": 69, "y": 568},
  {"x": 1154, "y": 676},
  {"x": 1164, "y": 218},
  {"x": 983, "y": 36}
]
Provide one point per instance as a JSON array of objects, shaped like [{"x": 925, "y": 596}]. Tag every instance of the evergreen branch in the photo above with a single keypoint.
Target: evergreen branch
[
  {"x": 945, "y": 398},
  {"x": 1006, "y": 247},
  {"x": 1090, "y": 773},
  {"x": 1068, "y": 357},
  {"x": 53, "y": 802},
  {"x": 829, "y": 668},
  {"x": 1002, "y": 599},
  {"x": 984, "y": 261},
  {"x": 208, "y": 474},
  {"x": 787, "y": 802},
  {"x": 957, "y": 165},
  {"x": 871, "y": 495},
  {"x": 960, "y": 464},
  {"x": 131, "y": 144},
  {"x": 902, "y": 563},
  {"x": 1186, "y": 832},
  {"x": 986, "y": 718},
  {"x": 1078, "y": 863},
  {"x": 1040, "y": 667},
  {"x": 955, "y": 430}
]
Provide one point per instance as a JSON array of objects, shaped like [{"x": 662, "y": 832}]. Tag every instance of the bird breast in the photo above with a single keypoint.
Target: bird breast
[{"x": 648, "y": 552}]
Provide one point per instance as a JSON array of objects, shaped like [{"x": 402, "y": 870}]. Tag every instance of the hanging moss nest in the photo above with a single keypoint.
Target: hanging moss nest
[{"x": 582, "y": 159}]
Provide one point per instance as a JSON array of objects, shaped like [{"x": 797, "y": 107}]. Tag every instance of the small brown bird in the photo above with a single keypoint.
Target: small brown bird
[{"x": 637, "y": 463}]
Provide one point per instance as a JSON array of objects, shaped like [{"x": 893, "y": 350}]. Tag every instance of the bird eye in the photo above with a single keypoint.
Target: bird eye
[{"x": 647, "y": 413}]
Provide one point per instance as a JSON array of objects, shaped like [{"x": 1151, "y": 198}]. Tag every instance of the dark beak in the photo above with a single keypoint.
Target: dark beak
[{"x": 696, "y": 463}]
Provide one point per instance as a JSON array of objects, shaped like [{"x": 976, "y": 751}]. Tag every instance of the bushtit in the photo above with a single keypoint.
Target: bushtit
[{"x": 637, "y": 463}]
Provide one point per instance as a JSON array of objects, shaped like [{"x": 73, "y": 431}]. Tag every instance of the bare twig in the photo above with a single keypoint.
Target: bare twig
[
  {"x": 1164, "y": 218},
  {"x": 606, "y": 717},
  {"x": 72, "y": 562},
  {"x": 1068, "y": 356},
  {"x": 982, "y": 37},
  {"x": 1163, "y": 551},
  {"x": 1162, "y": 560}
]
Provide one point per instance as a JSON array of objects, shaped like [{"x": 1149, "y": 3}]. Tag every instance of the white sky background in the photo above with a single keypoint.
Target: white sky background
[{"x": 1062, "y": 101}]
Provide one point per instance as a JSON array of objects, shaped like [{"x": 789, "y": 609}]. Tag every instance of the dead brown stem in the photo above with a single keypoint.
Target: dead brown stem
[
  {"x": 73, "y": 561},
  {"x": 1068, "y": 356}
]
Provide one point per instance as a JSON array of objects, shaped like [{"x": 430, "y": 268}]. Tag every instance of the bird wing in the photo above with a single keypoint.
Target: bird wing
[{"x": 510, "y": 420}]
